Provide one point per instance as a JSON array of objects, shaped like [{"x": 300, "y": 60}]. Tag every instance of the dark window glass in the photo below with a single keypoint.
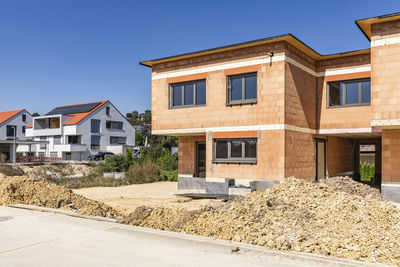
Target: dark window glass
[
  {"x": 201, "y": 93},
  {"x": 115, "y": 125},
  {"x": 236, "y": 149},
  {"x": 352, "y": 93},
  {"x": 95, "y": 126},
  {"x": 366, "y": 91},
  {"x": 74, "y": 139},
  {"x": 251, "y": 87},
  {"x": 108, "y": 111},
  {"x": 335, "y": 94},
  {"x": 250, "y": 148},
  {"x": 221, "y": 150},
  {"x": 236, "y": 88},
  {"x": 23, "y": 129},
  {"x": 117, "y": 140},
  {"x": 177, "y": 95},
  {"x": 11, "y": 130},
  {"x": 95, "y": 142},
  {"x": 57, "y": 139},
  {"x": 24, "y": 117},
  {"x": 344, "y": 93},
  {"x": 189, "y": 88}
]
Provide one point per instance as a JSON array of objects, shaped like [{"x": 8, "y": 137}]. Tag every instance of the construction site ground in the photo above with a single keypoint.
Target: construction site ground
[{"x": 160, "y": 194}]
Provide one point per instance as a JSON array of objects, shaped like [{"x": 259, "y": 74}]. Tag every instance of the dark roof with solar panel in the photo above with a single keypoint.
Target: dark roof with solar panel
[{"x": 80, "y": 108}]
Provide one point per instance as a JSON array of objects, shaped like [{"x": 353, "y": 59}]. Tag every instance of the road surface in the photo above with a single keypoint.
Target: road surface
[{"x": 32, "y": 238}]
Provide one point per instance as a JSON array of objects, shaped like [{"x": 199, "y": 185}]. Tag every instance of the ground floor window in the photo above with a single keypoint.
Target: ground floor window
[
  {"x": 237, "y": 150},
  {"x": 53, "y": 154}
]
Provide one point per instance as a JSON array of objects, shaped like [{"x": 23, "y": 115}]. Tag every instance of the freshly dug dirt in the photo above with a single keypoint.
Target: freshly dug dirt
[
  {"x": 26, "y": 190},
  {"x": 294, "y": 215},
  {"x": 348, "y": 185}
]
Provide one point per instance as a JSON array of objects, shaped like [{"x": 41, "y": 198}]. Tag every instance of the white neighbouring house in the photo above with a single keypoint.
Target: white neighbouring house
[
  {"x": 75, "y": 132},
  {"x": 13, "y": 124}
]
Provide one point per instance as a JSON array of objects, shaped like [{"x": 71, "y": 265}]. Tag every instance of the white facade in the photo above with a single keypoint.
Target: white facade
[
  {"x": 20, "y": 121},
  {"x": 74, "y": 142}
]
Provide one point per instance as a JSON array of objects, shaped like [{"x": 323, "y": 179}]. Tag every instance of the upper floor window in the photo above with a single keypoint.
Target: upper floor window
[
  {"x": 188, "y": 94},
  {"x": 95, "y": 141},
  {"x": 235, "y": 150},
  {"x": 349, "y": 93},
  {"x": 95, "y": 126},
  {"x": 23, "y": 129},
  {"x": 242, "y": 89},
  {"x": 11, "y": 130},
  {"x": 115, "y": 125},
  {"x": 24, "y": 117},
  {"x": 117, "y": 140},
  {"x": 57, "y": 139},
  {"x": 108, "y": 111}
]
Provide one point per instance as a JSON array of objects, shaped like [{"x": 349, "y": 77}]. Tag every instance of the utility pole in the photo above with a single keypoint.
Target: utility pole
[{"x": 15, "y": 145}]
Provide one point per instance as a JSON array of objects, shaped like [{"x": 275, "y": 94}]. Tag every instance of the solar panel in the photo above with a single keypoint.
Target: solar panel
[{"x": 80, "y": 108}]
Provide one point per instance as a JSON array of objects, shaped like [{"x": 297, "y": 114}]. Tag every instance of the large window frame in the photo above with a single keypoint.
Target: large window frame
[
  {"x": 243, "y": 76},
  {"x": 229, "y": 158},
  {"x": 182, "y": 84},
  {"x": 344, "y": 93}
]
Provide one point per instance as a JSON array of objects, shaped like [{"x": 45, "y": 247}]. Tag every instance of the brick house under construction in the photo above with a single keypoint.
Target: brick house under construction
[{"x": 273, "y": 108}]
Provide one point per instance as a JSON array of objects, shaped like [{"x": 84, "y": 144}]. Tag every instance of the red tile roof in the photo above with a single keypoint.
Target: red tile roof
[{"x": 6, "y": 115}]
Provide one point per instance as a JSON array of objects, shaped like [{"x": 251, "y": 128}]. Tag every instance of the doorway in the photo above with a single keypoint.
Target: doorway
[
  {"x": 200, "y": 159},
  {"x": 320, "y": 148}
]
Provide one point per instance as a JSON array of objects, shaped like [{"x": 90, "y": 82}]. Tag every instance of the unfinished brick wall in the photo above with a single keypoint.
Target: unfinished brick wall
[
  {"x": 299, "y": 155},
  {"x": 391, "y": 156},
  {"x": 186, "y": 156},
  {"x": 385, "y": 74},
  {"x": 340, "y": 155},
  {"x": 341, "y": 117}
]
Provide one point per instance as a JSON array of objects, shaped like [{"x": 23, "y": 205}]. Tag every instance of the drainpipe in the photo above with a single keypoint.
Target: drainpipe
[{"x": 14, "y": 145}]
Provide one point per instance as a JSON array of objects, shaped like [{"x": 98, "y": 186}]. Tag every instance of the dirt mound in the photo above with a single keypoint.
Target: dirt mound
[
  {"x": 26, "y": 190},
  {"x": 348, "y": 185},
  {"x": 294, "y": 215}
]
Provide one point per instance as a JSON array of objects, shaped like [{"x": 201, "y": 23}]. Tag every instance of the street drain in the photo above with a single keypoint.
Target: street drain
[{"x": 5, "y": 218}]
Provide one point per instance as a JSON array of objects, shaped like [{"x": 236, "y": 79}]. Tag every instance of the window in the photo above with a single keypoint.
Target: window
[
  {"x": 41, "y": 154},
  {"x": 95, "y": 126},
  {"x": 11, "y": 130},
  {"x": 117, "y": 140},
  {"x": 188, "y": 94},
  {"x": 243, "y": 150},
  {"x": 74, "y": 139},
  {"x": 95, "y": 142},
  {"x": 53, "y": 154},
  {"x": 57, "y": 139},
  {"x": 108, "y": 111},
  {"x": 115, "y": 125},
  {"x": 24, "y": 117},
  {"x": 349, "y": 93},
  {"x": 242, "y": 89},
  {"x": 23, "y": 129},
  {"x": 43, "y": 145}
]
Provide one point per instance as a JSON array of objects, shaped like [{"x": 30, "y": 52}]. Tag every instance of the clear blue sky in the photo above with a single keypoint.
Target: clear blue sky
[{"x": 60, "y": 52}]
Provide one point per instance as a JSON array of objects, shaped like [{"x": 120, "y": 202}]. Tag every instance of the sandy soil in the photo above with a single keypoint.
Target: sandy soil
[{"x": 127, "y": 198}]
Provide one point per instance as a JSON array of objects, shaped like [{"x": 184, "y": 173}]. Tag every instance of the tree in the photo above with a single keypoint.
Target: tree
[
  {"x": 35, "y": 114},
  {"x": 146, "y": 116}
]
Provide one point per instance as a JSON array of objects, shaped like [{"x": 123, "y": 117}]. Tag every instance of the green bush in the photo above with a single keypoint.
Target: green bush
[
  {"x": 171, "y": 176},
  {"x": 129, "y": 156},
  {"x": 367, "y": 172},
  {"x": 167, "y": 162},
  {"x": 147, "y": 172},
  {"x": 116, "y": 163}
]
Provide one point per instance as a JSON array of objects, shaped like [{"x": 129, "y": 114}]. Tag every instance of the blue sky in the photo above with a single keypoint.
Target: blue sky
[{"x": 60, "y": 52}]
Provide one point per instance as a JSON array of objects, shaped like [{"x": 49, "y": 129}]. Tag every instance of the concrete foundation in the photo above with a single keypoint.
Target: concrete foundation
[
  {"x": 391, "y": 191},
  {"x": 261, "y": 186}
]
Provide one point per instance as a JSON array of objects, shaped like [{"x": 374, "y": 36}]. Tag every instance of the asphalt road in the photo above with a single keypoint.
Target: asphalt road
[{"x": 32, "y": 238}]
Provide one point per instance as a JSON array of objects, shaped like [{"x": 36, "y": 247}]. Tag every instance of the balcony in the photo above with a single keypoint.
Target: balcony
[{"x": 70, "y": 148}]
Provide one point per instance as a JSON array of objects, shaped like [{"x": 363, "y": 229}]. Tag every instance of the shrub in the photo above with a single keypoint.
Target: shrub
[
  {"x": 167, "y": 162},
  {"x": 171, "y": 176},
  {"x": 116, "y": 163},
  {"x": 129, "y": 156},
  {"x": 147, "y": 172}
]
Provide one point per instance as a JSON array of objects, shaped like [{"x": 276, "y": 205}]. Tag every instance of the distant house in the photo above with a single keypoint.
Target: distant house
[
  {"x": 75, "y": 132},
  {"x": 13, "y": 125}
]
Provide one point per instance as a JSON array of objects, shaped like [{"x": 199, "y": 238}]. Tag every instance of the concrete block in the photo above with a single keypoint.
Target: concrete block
[
  {"x": 191, "y": 183},
  {"x": 391, "y": 192},
  {"x": 239, "y": 191},
  {"x": 261, "y": 186}
]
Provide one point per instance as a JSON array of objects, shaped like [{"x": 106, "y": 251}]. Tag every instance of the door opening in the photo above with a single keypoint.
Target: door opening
[
  {"x": 320, "y": 159},
  {"x": 201, "y": 159}
]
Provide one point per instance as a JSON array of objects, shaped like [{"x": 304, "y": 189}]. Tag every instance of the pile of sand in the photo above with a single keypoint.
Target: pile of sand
[
  {"x": 31, "y": 191},
  {"x": 294, "y": 215},
  {"x": 348, "y": 185}
]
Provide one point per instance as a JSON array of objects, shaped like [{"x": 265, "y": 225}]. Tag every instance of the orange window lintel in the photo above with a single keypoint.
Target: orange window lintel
[
  {"x": 348, "y": 76},
  {"x": 241, "y": 70},
  {"x": 240, "y": 134},
  {"x": 199, "y": 138},
  {"x": 186, "y": 78}
]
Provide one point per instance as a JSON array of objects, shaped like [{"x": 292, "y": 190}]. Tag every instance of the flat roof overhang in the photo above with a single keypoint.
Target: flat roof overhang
[
  {"x": 365, "y": 24},
  {"x": 289, "y": 38},
  {"x": 23, "y": 142}
]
